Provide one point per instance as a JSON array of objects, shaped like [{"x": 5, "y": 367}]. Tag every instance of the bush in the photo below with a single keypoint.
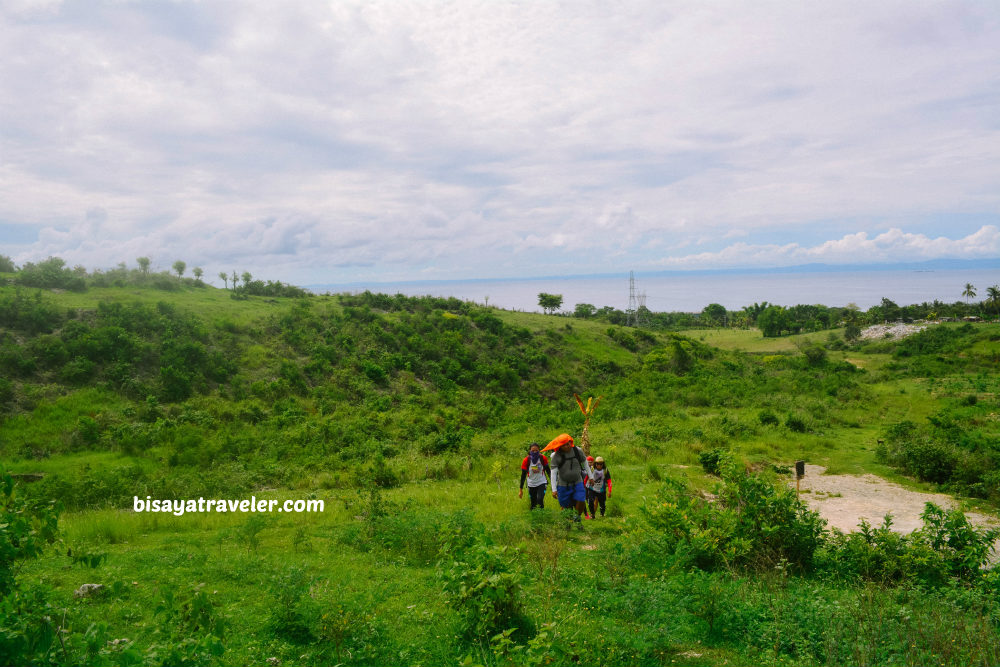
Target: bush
[
  {"x": 51, "y": 273},
  {"x": 709, "y": 460},
  {"x": 6, "y": 392},
  {"x": 815, "y": 355},
  {"x": 754, "y": 523},
  {"x": 946, "y": 548},
  {"x": 768, "y": 418},
  {"x": 482, "y": 584},
  {"x": 929, "y": 461},
  {"x": 25, "y": 528},
  {"x": 795, "y": 423},
  {"x": 32, "y": 315}
]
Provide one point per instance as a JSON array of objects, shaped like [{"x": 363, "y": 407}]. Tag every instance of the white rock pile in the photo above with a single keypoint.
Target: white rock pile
[{"x": 894, "y": 331}]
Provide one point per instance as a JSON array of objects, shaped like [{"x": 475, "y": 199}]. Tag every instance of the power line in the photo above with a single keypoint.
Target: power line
[{"x": 635, "y": 314}]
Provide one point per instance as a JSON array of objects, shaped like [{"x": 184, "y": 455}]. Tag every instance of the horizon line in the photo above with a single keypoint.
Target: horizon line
[{"x": 931, "y": 264}]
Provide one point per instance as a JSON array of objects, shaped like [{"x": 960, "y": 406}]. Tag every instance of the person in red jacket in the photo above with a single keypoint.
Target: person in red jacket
[
  {"x": 600, "y": 485},
  {"x": 535, "y": 470}
]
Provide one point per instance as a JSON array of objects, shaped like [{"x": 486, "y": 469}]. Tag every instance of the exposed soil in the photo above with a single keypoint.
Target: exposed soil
[{"x": 844, "y": 500}]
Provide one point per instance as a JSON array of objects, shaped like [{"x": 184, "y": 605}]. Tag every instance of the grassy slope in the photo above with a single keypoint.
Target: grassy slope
[{"x": 401, "y": 595}]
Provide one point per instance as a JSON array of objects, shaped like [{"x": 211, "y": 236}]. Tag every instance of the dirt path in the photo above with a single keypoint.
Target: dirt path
[{"x": 843, "y": 500}]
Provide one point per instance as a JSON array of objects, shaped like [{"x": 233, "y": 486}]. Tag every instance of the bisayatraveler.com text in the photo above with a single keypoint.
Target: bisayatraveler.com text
[{"x": 179, "y": 507}]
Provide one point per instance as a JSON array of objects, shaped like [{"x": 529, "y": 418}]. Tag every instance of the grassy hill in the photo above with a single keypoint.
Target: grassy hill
[{"x": 409, "y": 417}]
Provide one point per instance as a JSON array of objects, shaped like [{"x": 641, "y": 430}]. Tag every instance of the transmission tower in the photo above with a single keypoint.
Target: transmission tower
[
  {"x": 635, "y": 315},
  {"x": 632, "y": 311}
]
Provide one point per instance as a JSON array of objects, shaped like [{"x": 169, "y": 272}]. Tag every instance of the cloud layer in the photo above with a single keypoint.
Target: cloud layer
[{"x": 326, "y": 142}]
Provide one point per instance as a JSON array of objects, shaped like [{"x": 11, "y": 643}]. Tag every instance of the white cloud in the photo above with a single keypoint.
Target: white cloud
[
  {"x": 299, "y": 137},
  {"x": 892, "y": 246}
]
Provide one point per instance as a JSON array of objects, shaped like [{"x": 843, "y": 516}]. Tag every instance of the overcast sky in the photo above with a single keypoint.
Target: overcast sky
[{"x": 324, "y": 142}]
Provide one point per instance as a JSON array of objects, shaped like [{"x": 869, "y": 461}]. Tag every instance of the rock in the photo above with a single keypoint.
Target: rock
[
  {"x": 88, "y": 590},
  {"x": 893, "y": 331}
]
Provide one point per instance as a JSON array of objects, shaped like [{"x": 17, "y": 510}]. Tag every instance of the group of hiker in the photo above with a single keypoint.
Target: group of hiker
[{"x": 579, "y": 482}]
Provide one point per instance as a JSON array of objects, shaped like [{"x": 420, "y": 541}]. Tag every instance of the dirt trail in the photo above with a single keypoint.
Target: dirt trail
[{"x": 843, "y": 500}]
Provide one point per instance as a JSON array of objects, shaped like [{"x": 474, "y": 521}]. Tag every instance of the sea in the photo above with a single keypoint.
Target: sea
[{"x": 691, "y": 291}]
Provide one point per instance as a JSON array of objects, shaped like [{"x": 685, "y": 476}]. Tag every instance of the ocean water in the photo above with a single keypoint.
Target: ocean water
[{"x": 690, "y": 292}]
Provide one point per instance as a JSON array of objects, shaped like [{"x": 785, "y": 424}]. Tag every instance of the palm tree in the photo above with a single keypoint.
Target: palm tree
[
  {"x": 993, "y": 296},
  {"x": 969, "y": 293}
]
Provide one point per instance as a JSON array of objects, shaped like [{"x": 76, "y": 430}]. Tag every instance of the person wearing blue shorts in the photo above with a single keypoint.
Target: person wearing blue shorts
[{"x": 568, "y": 465}]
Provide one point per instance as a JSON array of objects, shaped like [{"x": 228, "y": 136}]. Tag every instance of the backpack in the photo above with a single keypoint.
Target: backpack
[{"x": 581, "y": 458}]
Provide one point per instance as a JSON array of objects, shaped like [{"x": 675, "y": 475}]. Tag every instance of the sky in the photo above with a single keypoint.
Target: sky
[{"x": 331, "y": 142}]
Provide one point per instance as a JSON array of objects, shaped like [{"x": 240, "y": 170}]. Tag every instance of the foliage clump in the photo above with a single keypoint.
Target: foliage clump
[{"x": 752, "y": 523}]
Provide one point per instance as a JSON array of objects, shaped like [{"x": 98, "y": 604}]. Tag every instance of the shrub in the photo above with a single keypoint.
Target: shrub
[
  {"x": 25, "y": 528},
  {"x": 709, "y": 460},
  {"x": 947, "y": 547},
  {"x": 29, "y": 314},
  {"x": 815, "y": 355},
  {"x": 754, "y": 523},
  {"x": 795, "y": 423},
  {"x": 6, "y": 392},
  {"x": 51, "y": 273},
  {"x": 929, "y": 461},
  {"x": 483, "y": 586},
  {"x": 768, "y": 418},
  {"x": 294, "y": 612}
]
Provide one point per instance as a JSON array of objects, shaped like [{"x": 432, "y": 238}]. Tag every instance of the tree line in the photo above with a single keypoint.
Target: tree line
[
  {"x": 55, "y": 273},
  {"x": 777, "y": 320}
]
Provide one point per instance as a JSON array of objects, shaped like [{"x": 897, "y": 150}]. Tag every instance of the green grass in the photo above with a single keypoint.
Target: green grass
[
  {"x": 250, "y": 435},
  {"x": 753, "y": 341}
]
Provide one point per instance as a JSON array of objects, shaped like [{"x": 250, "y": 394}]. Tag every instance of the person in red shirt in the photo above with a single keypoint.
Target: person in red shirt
[
  {"x": 535, "y": 470},
  {"x": 600, "y": 485}
]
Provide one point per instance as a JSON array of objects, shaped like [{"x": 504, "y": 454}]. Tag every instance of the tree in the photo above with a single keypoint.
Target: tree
[
  {"x": 234, "y": 278},
  {"x": 714, "y": 314},
  {"x": 179, "y": 267},
  {"x": 970, "y": 292},
  {"x": 7, "y": 264},
  {"x": 584, "y": 310},
  {"x": 247, "y": 277},
  {"x": 754, "y": 311},
  {"x": 225, "y": 279},
  {"x": 143, "y": 265},
  {"x": 852, "y": 313},
  {"x": 993, "y": 297},
  {"x": 198, "y": 273},
  {"x": 550, "y": 303},
  {"x": 772, "y": 321},
  {"x": 890, "y": 311}
]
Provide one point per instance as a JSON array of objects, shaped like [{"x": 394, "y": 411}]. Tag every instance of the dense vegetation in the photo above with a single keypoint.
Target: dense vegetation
[
  {"x": 409, "y": 416},
  {"x": 777, "y": 320}
]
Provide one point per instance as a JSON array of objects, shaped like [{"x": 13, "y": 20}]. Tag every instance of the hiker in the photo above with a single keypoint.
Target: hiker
[
  {"x": 568, "y": 466},
  {"x": 586, "y": 490},
  {"x": 600, "y": 485},
  {"x": 535, "y": 469}
]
